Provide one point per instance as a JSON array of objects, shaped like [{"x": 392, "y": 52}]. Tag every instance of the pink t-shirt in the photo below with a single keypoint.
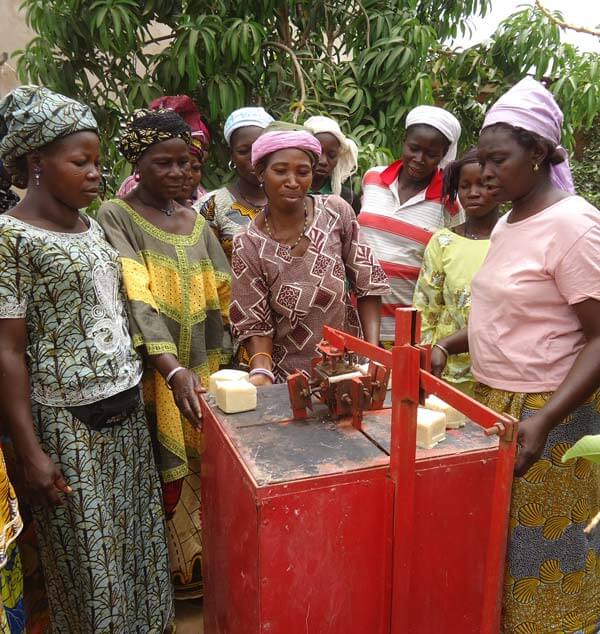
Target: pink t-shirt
[{"x": 524, "y": 334}]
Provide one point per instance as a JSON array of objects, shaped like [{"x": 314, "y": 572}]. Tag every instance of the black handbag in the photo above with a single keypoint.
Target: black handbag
[{"x": 109, "y": 412}]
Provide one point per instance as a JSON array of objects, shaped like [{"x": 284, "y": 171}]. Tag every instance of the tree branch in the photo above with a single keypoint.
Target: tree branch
[
  {"x": 562, "y": 24},
  {"x": 364, "y": 11},
  {"x": 298, "y": 70}
]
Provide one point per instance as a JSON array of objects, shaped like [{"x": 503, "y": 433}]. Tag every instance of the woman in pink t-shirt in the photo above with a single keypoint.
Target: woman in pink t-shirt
[{"x": 534, "y": 340}]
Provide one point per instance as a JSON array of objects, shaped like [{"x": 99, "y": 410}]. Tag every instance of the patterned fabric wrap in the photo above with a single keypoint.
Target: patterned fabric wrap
[
  {"x": 226, "y": 215},
  {"x": 291, "y": 298},
  {"x": 552, "y": 581},
  {"x": 67, "y": 286},
  {"x": 104, "y": 552},
  {"x": 12, "y": 608},
  {"x": 443, "y": 293},
  {"x": 33, "y": 116},
  {"x": 179, "y": 289},
  {"x": 134, "y": 141}
]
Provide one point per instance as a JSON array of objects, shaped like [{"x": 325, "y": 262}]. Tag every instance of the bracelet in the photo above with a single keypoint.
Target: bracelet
[
  {"x": 171, "y": 374},
  {"x": 264, "y": 372},
  {"x": 443, "y": 349},
  {"x": 260, "y": 354}
]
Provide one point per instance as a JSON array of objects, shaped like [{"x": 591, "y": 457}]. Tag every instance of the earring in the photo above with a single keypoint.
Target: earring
[
  {"x": 136, "y": 175},
  {"x": 36, "y": 175},
  {"x": 231, "y": 165},
  {"x": 536, "y": 167}
]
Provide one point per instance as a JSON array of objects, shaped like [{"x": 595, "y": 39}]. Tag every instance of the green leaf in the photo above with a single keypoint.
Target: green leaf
[{"x": 587, "y": 447}]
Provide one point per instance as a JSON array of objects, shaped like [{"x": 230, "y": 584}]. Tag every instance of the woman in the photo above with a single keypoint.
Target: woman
[
  {"x": 534, "y": 339},
  {"x": 69, "y": 380},
  {"x": 185, "y": 107},
  {"x": 403, "y": 205},
  {"x": 451, "y": 259},
  {"x": 178, "y": 284},
  {"x": 338, "y": 160},
  {"x": 231, "y": 208},
  {"x": 290, "y": 266}
]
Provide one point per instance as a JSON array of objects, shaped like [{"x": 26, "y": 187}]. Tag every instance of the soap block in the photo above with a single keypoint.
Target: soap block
[
  {"x": 235, "y": 396},
  {"x": 431, "y": 428},
  {"x": 225, "y": 375},
  {"x": 454, "y": 418}
]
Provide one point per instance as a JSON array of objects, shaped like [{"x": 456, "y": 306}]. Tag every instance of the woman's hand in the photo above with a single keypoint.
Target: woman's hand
[
  {"x": 260, "y": 379},
  {"x": 44, "y": 481},
  {"x": 186, "y": 390},
  {"x": 533, "y": 433},
  {"x": 439, "y": 360}
]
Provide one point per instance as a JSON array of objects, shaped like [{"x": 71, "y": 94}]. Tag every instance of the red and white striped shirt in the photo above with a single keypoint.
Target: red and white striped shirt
[{"x": 399, "y": 232}]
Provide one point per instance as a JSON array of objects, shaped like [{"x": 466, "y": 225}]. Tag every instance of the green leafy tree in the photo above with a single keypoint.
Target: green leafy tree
[{"x": 364, "y": 62}]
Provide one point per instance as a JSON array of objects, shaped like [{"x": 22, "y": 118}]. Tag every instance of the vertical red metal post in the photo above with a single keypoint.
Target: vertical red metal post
[{"x": 405, "y": 399}]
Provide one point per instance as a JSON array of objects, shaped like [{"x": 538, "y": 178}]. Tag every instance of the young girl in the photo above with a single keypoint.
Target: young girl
[{"x": 452, "y": 257}]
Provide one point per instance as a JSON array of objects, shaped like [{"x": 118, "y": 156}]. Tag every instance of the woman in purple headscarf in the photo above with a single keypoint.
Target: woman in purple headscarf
[
  {"x": 291, "y": 265},
  {"x": 534, "y": 339}
]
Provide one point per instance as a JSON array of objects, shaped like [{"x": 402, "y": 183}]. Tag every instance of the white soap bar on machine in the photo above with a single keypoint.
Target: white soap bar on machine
[
  {"x": 454, "y": 418},
  {"x": 225, "y": 375},
  {"x": 236, "y": 396},
  {"x": 431, "y": 428}
]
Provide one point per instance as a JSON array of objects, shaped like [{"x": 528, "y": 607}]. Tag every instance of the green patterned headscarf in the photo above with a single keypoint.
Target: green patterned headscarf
[{"x": 33, "y": 116}]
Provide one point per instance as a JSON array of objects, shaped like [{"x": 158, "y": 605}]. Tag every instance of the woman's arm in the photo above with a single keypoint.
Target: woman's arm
[
  {"x": 455, "y": 343},
  {"x": 579, "y": 384},
  {"x": 42, "y": 478},
  {"x": 369, "y": 313},
  {"x": 262, "y": 347}
]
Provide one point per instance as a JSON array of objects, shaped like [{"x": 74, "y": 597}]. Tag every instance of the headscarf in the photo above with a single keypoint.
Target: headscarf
[
  {"x": 145, "y": 128},
  {"x": 531, "y": 106},
  {"x": 283, "y": 136},
  {"x": 185, "y": 107},
  {"x": 8, "y": 198},
  {"x": 245, "y": 117},
  {"x": 441, "y": 120},
  {"x": 32, "y": 117},
  {"x": 347, "y": 158}
]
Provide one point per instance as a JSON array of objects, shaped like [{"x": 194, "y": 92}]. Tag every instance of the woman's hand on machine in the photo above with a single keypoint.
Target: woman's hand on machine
[
  {"x": 533, "y": 433},
  {"x": 439, "y": 360},
  {"x": 260, "y": 379},
  {"x": 186, "y": 391}
]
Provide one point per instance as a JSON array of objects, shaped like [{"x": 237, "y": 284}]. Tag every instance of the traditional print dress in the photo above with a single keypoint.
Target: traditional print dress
[
  {"x": 524, "y": 337},
  {"x": 289, "y": 298},
  {"x": 226, "y": 216},
  {"x": 179, "y": 288},
  {"x": 12, "y": 613},
  {"x": 104, "y": 551},
  {"x": 443, "y": 295}
]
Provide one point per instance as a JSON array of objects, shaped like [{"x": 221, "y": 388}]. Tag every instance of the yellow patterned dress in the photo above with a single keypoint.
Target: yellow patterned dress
[
  {"x": 11, "y": 578},
  {"x": 179, "y": 290},
  {"x": 552, "y": 581}
]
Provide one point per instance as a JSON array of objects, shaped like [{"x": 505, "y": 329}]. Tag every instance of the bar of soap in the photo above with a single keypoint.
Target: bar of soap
[
  {"x": 235, "y": 396},
  {"x": 225, "y": 375},
  {"x": 454, "y": 418},
  {"x": 431, "y": 428}
]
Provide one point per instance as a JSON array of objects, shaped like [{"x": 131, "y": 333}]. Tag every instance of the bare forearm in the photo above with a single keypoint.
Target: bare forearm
[
  {"x": 456, "y": 343},
  {"x": 163, "y": 363},
  {"x": 255, "y": 345},
  {"x": 16, "y": 404},
  {"x": 369, "y": 313}
]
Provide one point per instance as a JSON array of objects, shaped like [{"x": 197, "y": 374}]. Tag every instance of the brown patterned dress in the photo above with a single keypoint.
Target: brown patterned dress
[{"x": 289, "y": 298}]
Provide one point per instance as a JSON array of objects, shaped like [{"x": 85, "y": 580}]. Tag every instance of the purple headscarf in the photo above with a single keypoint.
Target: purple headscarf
[
  {"x": 270, "y": 142},
  {"x": 531, "y": 106}
]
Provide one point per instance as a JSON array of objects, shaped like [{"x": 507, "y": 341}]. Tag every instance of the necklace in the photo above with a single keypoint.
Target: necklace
[
  {"x": 302, "y": 233},
  {"x": 240, "y": 196},
  {"x": 168, "y": 210},
  {"x": 471, "y": 235}
]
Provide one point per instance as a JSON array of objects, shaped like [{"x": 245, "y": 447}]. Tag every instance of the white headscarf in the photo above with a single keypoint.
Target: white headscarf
[
  {"x": 348, "y": 157},
  {"x": 245, "y": 117},
  {"x": 441, "y": 120}
]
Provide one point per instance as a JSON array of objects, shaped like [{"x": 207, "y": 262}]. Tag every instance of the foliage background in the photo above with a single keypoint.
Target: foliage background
[{"x": 364, "y": 62}]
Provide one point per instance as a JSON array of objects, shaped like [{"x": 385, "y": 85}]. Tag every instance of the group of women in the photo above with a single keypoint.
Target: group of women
[{"x": 109, "y": 327}]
